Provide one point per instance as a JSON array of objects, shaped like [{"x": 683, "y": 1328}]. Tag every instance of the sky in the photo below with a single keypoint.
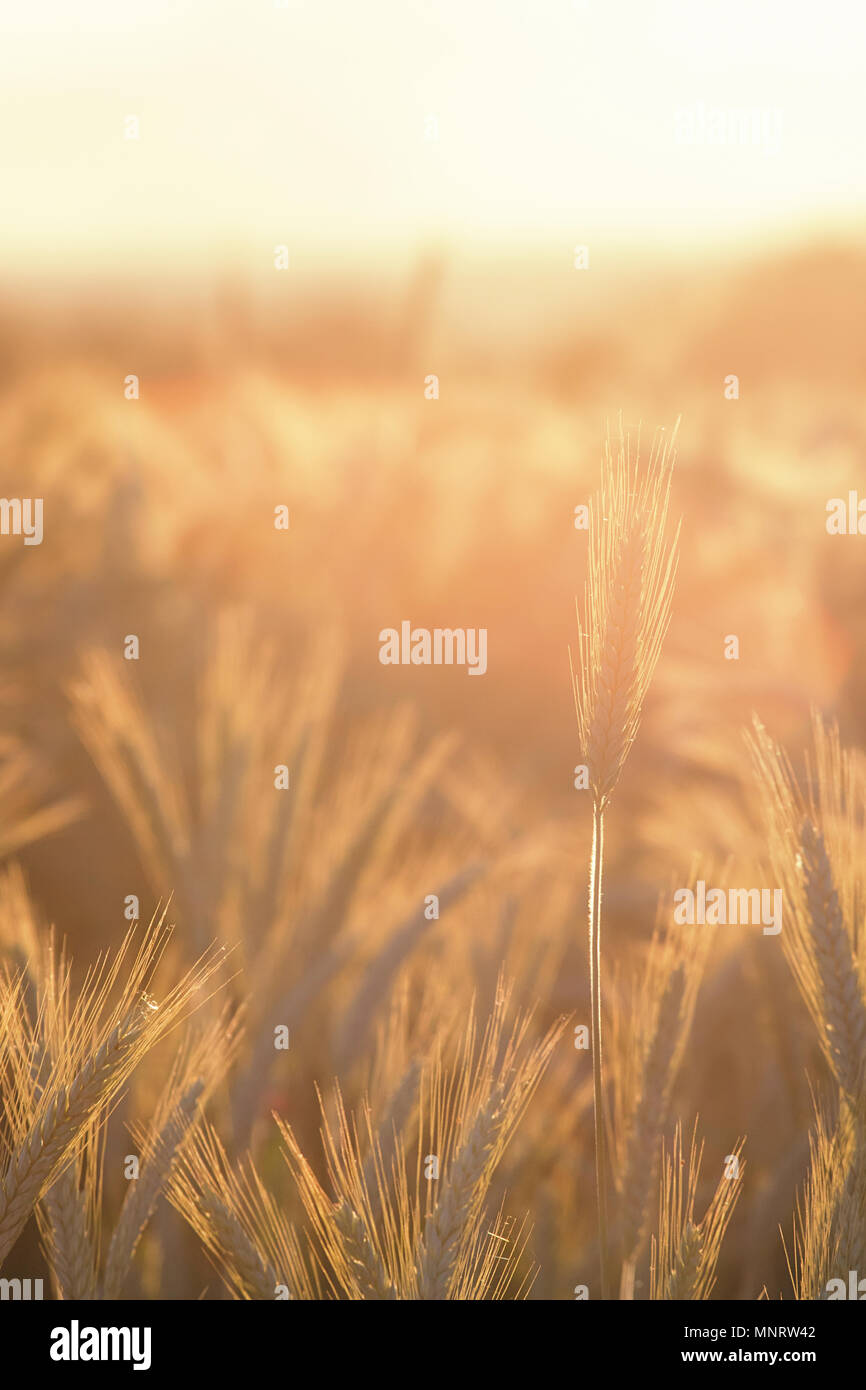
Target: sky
[{"x": 349, "y": 131}]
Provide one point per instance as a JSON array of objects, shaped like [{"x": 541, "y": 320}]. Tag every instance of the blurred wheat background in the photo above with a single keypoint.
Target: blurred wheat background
[{"x": 418, "y": 249}]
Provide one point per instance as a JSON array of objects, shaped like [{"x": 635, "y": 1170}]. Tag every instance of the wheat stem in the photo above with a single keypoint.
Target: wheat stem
[{"x": 595, "y": 884}]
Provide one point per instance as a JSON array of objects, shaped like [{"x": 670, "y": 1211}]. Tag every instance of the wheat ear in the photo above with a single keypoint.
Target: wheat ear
[
  {"x": 238, "y": 1250},
  {"x": 373, "y": 1283},
  {"x": 446, "y": 1226},
  {"x": 611, "y": 730},
  {"x": 626, "y": 608},
  {"x": 844, "y": 1013},
  {"x": 72, "y": 1253},
  {"x": 49, "y": 1141},
  {"x": 142, "y": 1196},
  {"x": 642, "y": 1150},
  {"x": 681, "y": 1283},
  {"x": 686, "y": 1252}
]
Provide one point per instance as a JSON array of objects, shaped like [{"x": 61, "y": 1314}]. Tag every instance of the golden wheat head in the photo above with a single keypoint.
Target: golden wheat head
[{"x": 626, "y": 607}]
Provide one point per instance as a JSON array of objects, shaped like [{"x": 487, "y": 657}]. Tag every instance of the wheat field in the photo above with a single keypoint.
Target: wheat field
[{"x": 324, "y": 980}]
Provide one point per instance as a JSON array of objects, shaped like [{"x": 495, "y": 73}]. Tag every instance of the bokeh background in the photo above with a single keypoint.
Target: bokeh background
[{"x": 431, "y": 168}]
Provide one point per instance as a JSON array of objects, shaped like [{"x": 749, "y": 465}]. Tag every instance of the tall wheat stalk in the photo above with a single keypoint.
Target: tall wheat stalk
[{"x": 625, "y": 615}]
